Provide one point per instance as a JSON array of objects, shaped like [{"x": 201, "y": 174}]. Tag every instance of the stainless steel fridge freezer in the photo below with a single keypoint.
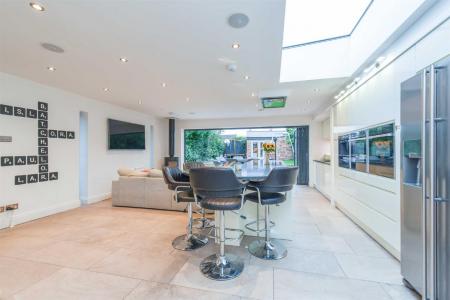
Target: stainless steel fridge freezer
[{"x": 425, "y": 181}]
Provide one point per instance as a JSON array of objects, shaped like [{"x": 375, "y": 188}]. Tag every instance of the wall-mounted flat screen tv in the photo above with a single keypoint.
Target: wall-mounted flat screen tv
[{"x": 125, "y": 136}]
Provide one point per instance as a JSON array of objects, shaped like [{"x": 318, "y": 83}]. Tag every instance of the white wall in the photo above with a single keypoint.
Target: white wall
[
  {"x": 40, "y": 199},
  {"x": 374, "y": 202},
  {"x": 316, "y": 143}
]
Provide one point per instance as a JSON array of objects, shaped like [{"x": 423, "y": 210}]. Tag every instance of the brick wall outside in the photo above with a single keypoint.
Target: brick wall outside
[{"x": 284, "y": 150}]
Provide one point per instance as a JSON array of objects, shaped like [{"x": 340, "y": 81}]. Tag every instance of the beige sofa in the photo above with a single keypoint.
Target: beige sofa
[{"x": 145, "y": 192}]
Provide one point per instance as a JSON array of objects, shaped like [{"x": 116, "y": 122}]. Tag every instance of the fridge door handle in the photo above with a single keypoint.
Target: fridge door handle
[
  {"x": 424, "y": 163},
  {"x": 440, "y": 200},
  {"x": 432, "y": 249}
]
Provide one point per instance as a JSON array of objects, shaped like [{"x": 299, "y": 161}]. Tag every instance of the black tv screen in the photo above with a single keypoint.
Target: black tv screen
[{"x": 124, "y": 135}]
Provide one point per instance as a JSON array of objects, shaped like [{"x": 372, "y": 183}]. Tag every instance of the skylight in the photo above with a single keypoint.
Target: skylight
[{"x": 308, "y": 21}]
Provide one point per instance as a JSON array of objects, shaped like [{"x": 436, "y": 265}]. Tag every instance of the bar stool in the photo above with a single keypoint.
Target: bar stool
[
  {"x": 219, "y": 189},
  {"x": 178, "y": 182},
  {"x": 203, "y": 222},
  {"x": 271, "y": 191}
]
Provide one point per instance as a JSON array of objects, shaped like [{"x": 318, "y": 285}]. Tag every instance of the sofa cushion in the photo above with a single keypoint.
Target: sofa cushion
[
  {"x": 138, "y": 174},
  {"x": 155, "y": 173},
  {"x": 125, "y": 171}
]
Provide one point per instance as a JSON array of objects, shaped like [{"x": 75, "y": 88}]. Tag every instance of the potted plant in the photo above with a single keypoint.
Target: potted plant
[{"x": 268, "y": 147}]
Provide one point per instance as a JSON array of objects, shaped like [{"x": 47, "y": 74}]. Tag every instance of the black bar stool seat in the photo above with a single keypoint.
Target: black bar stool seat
[
  {"x": 186, "y": 196},
  {"x": 266, "y": 198},
  {"x": 221, "y": 203}
]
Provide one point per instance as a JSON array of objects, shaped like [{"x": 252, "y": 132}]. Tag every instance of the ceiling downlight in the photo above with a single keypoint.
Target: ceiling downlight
[{"x": 37, "y": 6}]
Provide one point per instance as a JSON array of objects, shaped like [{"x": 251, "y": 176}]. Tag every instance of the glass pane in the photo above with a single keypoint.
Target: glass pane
[
  {"x": 384, "y": 129},
  {"x": 254, "y": 149},
  {"x": 358, "y": 161},
  {"x": 308, "y": 21},
  {"x": 381, "y": 156},
  {"x": 358, "y": 134},
  {"x": 344, "y": 153}
]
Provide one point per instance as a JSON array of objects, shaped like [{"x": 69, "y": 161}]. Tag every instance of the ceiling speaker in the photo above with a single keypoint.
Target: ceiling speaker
[
  {"x": 238, "y": 20},
  {"x": 52, "y": 47}
]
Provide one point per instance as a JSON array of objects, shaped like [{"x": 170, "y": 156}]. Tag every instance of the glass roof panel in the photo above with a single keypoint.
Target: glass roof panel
[{"x": 307, "y": 21}]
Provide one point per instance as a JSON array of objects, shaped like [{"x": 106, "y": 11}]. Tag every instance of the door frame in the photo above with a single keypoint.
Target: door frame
[
  {"x": 302, "y": 157},
  {"x": 303, "y": 141}
]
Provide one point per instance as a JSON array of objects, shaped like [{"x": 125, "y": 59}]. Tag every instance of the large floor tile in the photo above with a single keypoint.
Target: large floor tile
[
  {"x": 70, "y": 254},
  {"x": 400, "y": 292},
  {"x": 298, "y": 285},
  {"x": 141, "y": 264},
  {"x": 320, "y": 243},
  {"x": 338, "y": 225},
  {"x": 160, "y": 291},
  {"x": 303, "y": 228},
  {"x": 306, "y": 261},
  {"x": 99, "y": 236},
  {"x": 73, "y": 284},
  {"x": 17, "y": 274},
  {"x": 254, "y": 282},
  {"x": 82, "y": 218},
  {"x": 43, "y": 229},
  {"x": 153, "y": 241},
  {"x": 385, "y": 270},
  {"x": 366, "y": 246},
  {"x": 22, "y": 246}
]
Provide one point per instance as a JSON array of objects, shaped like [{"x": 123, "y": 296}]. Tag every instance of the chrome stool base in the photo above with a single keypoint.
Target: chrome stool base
[
  {"x": 215, "y": 268},
  {"x": 272, "y": 250},
  {"x": 184, "y": 243},
  {"x": 203, "y": 223}
]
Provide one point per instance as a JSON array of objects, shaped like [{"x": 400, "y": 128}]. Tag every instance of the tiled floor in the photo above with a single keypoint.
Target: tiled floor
[{"x": 101, "y": 252}]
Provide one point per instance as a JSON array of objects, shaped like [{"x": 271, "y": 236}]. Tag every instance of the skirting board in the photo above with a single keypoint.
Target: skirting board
[
  {"x": 94, "y": 199},
  {"x": 322, "y": 193},
  {"x": 20, "y": 218},
  {"x": 395, "y": 253}
]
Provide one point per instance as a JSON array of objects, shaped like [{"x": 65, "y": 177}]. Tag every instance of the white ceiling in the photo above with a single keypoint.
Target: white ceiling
[{"x": 185, "y": 43}]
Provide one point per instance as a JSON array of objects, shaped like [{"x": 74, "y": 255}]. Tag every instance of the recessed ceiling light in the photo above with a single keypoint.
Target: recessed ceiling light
[
  {"x": 246, "y": 77},
  {"x": 106, "y": 90},
  {"x": 124, "y": 59},
  {"x": 163, "y": 84},
  {"x": 51, "y": 68},
  {"x": 380, "y": 59},
  {"x": 253, "y": 94},
  {"x": 140, "y": 102},
  {"x": 187, "y": 99},
  {"x": 235, "y": 46},
  {"x": 37, "y": 6}
]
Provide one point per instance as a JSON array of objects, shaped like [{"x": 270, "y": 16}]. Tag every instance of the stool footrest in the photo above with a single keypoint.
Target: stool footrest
[{"x": 254, "y": 223}]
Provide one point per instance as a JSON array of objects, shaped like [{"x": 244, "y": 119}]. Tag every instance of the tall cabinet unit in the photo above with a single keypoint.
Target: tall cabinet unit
[{"x": 425, "y": 177}]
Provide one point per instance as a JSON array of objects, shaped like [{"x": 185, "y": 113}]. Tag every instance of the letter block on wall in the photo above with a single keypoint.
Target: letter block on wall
[{"x": 41, "y": 160}]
